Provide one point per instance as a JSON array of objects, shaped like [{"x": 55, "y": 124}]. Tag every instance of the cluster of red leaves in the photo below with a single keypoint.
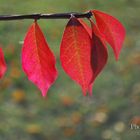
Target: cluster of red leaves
[{"x": 83, "y": 51}]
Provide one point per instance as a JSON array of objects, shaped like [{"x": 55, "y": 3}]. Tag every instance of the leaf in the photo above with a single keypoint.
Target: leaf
[
  {"x": 99, "y": 50},
  {"x": 112, "y": 29},
  {"x": 38, "y": 61},
  {"x": 99, "y": 54},
  {"x": 88, "y": 29},
  {"x": 75, "y": 53},
  {"x": 3, "y": 66}
]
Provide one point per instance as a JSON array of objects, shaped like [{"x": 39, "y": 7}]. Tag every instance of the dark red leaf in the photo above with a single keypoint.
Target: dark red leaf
[
  {"x": 112, "y": 29},
  {"x": 75, "y": 53},
  {"x": 99, "y": 50},
  {"x": 3, "y": 66},
  {"x": 38, "y": 61},
  {"x": 99, "y": 53}
]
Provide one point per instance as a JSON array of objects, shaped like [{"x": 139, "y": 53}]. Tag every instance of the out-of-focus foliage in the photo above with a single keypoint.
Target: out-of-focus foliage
[{"x": 66, "y": 114}]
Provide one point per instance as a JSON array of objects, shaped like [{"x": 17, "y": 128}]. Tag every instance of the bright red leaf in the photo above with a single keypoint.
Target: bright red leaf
[
  {"x": 3, "y": 66},
  {"x": 75, "y": 53},
  {"x": 112, "y": 29},
  {"x": 38, "y": 61}
]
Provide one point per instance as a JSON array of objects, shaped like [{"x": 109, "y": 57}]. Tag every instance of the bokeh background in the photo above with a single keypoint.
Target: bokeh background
[{"x": 66, "y": 114}]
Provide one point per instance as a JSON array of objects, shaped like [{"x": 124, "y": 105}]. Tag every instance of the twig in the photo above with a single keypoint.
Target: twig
[{"x": 46, "y": 16}]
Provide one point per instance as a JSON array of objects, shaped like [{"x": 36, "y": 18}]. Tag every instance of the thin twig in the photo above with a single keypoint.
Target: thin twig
[{"x": 46, "y": 16}]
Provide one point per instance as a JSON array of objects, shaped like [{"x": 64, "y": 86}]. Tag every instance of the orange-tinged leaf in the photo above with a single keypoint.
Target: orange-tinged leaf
[
  {"x": 3, "y": 66},
  {"x": 75, "y": 53},
  {"x": 112, "y": 29},
  {"x": 38, "y": 61}
]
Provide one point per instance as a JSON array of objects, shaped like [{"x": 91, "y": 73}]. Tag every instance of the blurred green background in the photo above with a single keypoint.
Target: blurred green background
[{"x": 66, "y": 114}]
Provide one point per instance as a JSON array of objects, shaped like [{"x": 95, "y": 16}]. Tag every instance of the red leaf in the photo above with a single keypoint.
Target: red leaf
[
  {"x": 3, "y": 66},
  {"x": 75, "y": 53},
  {"x": 99, "y": 50},
  {"x": 88, "y": 29},
  {"x": 112, "y": 30},
  {"x": 38, "y": 61},
  {"x": 99, "y": 53}
]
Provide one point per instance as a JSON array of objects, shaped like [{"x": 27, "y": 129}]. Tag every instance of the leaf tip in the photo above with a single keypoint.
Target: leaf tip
[
  {"x": 84, "y": 91},
  {"x": 43, "y": 93}
]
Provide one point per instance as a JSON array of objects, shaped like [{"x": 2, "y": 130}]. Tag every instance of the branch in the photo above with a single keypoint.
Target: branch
[{"x": 46, "y": 16}]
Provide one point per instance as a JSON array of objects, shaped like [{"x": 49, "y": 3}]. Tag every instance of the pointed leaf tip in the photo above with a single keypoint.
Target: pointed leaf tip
[
  {"x": 112, "y": 29},
  {"x": 38, "y": 61}
]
